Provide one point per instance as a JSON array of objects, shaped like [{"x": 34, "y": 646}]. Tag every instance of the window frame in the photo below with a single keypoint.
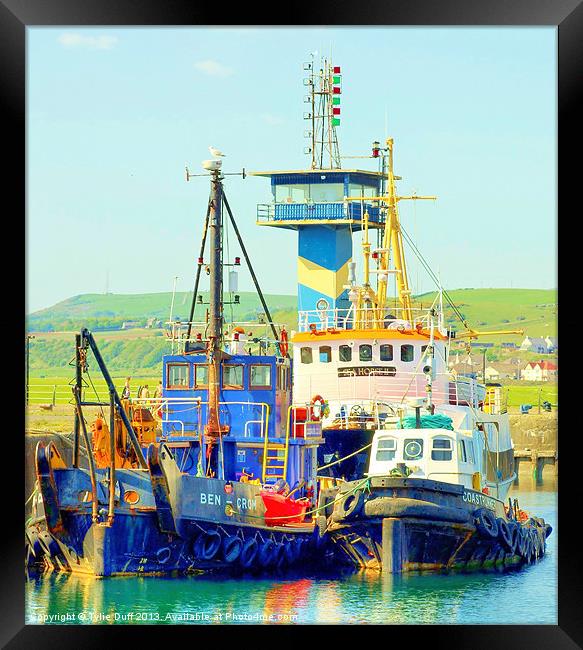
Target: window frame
[
  {"x": 381, "y": 449},
  {"x": 173, "y": 364},
  {"x": 195, "y": 367},
  {"x": 306, "y": 347},
  {"x": 412, "y": 347},
  {"x": 386, "y": 345},
  {"x": 364, "y": 345},
  {"x": 261, "y": 386},
  {"x": 419, "y": 441},
  {"x": 442, "y": 449},
  {"x": 229, "y": 386},
  {"x": 346, "y": 347},
  {"x": 327, "y": 350}
]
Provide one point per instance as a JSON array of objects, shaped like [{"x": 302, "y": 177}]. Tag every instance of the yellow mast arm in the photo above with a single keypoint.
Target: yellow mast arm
[{"x": 473, "y": 334}]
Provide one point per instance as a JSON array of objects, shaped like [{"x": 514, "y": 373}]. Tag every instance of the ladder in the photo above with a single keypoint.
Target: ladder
[{"x": 275, "y": 456}]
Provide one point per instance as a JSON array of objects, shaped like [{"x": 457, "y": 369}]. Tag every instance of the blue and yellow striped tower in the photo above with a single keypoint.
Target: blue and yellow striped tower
[{"x": 312, "y": 202}]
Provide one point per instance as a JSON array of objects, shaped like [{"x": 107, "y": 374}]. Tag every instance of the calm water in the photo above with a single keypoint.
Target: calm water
[{"x": 524, "y": 596}]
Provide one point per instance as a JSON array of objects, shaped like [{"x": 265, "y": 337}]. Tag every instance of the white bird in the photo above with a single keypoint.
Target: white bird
[{"x": 215, "y": 152}]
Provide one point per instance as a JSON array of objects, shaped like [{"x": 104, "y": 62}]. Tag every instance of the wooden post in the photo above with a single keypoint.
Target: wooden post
[{"x": 392, "y": 541}]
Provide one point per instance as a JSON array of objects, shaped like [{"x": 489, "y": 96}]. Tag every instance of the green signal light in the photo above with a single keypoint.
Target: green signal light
[
  {"x": 335, "y": 101},
  {"x": 335, "y": 121},
  {"x": 337, "y": 80}
]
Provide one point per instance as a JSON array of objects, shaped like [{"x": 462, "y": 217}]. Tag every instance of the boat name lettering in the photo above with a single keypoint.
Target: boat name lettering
[
  {"x": 210, "y": 499},
  {"x": 479, "y": 499},
  {"x": 246, "y": 504},
  {"x": 367, "y": 371}
]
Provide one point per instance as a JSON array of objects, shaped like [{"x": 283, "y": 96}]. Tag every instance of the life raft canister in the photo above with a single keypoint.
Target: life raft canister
[{"x": 319, "y": 404}]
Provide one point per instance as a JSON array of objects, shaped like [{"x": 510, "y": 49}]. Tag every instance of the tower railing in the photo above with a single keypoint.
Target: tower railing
[{"x": 317, "y": 211}]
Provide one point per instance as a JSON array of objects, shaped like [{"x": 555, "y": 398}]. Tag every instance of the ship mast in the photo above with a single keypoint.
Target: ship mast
[
  {"x": 324, "y": 100},
  {"x": 213, "y": 427}
]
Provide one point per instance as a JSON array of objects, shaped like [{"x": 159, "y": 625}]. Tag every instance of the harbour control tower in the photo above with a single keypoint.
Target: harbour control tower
[{"x": 313, "y": 201}]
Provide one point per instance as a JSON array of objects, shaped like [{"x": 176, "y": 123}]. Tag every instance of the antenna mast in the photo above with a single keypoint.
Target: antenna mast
[{"x": 324, "y": 99}]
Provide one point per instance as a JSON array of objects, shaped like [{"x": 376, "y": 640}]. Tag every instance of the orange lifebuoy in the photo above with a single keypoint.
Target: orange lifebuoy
[
  {"x": 322, "y": 406},
  {"x": 283, "y": 343}
]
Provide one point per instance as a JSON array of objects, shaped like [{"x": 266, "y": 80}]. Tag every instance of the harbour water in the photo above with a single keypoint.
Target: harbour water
[{"x": 523, "y": 596}]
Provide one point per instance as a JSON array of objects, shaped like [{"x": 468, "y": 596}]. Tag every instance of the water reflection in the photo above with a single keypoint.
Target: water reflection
[{"x": 525, "y": 596}]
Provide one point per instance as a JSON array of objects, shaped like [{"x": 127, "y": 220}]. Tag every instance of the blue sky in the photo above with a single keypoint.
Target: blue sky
[{"x": 114, "y": 115}]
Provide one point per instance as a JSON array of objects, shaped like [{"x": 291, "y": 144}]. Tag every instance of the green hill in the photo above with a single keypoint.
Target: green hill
[{"x": 140, "y": 349}]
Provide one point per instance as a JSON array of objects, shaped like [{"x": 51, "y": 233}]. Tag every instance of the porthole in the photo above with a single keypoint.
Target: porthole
[{"x": 131, "y": 497}]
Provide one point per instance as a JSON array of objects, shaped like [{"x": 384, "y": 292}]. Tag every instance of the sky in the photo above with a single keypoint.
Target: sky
[{"x": 115, "y": 115}]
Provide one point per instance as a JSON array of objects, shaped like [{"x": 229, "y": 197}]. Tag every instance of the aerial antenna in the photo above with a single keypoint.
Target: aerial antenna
[{"x": 324, "y": 83}]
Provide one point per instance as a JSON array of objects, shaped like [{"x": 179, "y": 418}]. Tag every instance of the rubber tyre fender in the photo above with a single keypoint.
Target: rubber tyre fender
[
  {"x": 163, "y": 555},
  {"x": 548, "y": 530},
  {"x": 280, "y": 556},
  {"x": 207, "y": 545},
  {"x": 266, "y": 553},
  {"x": 505, "y": 534},
  {"x": 514, "y": 529},
  {"x": 486, "y": 523},
  {"x": 521, "y": 541},
  {"x": 291, "y": 551},
  {"x": 352, "y": 504},
  {"x": 248, "y": 553},
  {"x": 232, "y": 547}
]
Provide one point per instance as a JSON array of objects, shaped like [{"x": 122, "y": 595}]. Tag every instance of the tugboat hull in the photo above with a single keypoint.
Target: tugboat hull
[{"x": 399, "y": 525}]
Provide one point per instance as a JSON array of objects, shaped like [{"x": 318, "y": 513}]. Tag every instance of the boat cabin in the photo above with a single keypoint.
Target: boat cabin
[{"x": 267, "y": 438}]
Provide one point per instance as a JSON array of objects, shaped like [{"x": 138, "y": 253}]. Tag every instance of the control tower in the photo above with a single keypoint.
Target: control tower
[{"x": 314, "y": 202}]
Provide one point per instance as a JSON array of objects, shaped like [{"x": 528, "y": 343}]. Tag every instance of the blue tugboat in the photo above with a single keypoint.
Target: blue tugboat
[{"x": 199, "y": 477}]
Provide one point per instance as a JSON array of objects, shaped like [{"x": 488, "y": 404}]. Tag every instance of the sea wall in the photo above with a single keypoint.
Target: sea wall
[{"x": 535, "y": 432}]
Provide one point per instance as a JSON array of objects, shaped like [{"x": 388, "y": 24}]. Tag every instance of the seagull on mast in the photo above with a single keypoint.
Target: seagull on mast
[{"x": 215, "y": 152}]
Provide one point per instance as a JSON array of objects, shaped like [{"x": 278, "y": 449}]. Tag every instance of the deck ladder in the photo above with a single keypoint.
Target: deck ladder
[{"x": 275, "y": 456}]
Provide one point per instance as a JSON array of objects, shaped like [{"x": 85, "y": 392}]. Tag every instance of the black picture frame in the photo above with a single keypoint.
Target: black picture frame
[{"x": 566, "y": 15}]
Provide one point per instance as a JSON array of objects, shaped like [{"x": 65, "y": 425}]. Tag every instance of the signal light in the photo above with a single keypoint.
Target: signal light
[
  {"x": 336, "y": 110},
  {"x": 335, "y": 121},
  {"x": 336, "y": 90},
  {"x": 336, "y": 80},
  {"x": 237, "y": 261},
  {"x": 335, "y": 101},
  {"x": 375, "y": 149},
  {"x": 336, "y": 69},
  {"x": 237, "y": 300},
  {"x": 375, "y": 255},
  {"x": 200, "y": 261}
]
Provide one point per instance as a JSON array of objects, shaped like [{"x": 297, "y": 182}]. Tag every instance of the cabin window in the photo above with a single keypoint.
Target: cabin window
[
  {"x": 325, "y": 354},
  {"x": 386, "y": 352},
  {"x": 233, "y": 376},
  {"x": 412, "y": 448},
  {"x": 260, "y": 377},
  {"x": 386, "y": 449},
  {"x": 365, "y": 352},
  {"x": 470, "y": 450},
  {"x": 306, "y": 355},
  {"x": 178, "y": 376},
  {"x": 201, "y": 375},
  {"x": 442, "y": 449},
  {"x": 461, "y": 451},
  {"x": 407, "y": 353},
  {"x": 324, "y": 192},
  {"x": 345, "y": 353}
]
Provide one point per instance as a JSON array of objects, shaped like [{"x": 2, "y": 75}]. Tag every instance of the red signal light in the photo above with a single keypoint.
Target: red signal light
[
  {"x": 237, "y": 261},
  {"x": 336, "y": 90},
  {"x": 337, "y": 69},
  {"x": 336, "y": 110}
]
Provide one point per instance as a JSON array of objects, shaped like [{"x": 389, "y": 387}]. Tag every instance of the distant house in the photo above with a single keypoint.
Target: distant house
[
  {"x": 552, "y": 344},
  {"x": 129, "y": 324},
  {"x": 511, "y": 346},
  {"x": 539, "y": 371},
  {"x": 476, "y": 344},
  {"x": 492, "y": 374},
  {"x": 535, "y": 344},
  {"x": 153, "y": 323}
]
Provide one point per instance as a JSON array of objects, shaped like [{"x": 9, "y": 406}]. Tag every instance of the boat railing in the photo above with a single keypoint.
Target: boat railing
[
  {"x": 282, "y": 211},
  {"x": 388, "y": 385},
  {"x": 191, "y": 414},
  {"x": 177, "y": 333},
  {"x": 362, "y": 318}
]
